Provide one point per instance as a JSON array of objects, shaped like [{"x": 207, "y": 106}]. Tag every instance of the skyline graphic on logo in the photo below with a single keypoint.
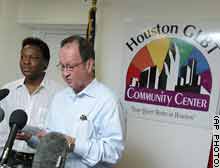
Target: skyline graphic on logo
[{"x": 172, "y": 68}]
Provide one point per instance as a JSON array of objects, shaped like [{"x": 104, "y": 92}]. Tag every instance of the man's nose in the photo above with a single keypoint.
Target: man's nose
[
  {"x": 26, "y": 60},
  {"x": 66, "y": 73}
]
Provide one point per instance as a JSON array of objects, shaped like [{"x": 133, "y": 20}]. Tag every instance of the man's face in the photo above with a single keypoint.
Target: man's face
[
  {"x": 75, "y": 72},
  {"x": 32, "y": 63}
]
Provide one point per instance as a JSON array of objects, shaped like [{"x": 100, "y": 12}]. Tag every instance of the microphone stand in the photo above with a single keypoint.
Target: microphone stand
[{"x": 8, "y": 146}]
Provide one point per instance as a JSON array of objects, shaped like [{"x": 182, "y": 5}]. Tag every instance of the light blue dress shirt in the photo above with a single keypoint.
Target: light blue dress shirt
[{"x": 100, "y": 137}]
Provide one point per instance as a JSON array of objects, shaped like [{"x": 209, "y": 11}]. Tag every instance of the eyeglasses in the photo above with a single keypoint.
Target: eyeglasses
[{"x": 68, "y": 67}]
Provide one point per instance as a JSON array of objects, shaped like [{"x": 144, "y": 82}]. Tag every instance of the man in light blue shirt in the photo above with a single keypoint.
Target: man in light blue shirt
[{"x": 86, "y": 112}]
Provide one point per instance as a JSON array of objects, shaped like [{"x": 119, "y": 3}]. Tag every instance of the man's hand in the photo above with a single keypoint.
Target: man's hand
[
  {"x": 23, "y": 136},
  {"x": 40, "y": 134},
  {"x": 71, "y": 142}
]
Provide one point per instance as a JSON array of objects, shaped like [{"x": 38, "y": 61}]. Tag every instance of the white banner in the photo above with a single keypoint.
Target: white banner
[{"x": 171, "y": 72}]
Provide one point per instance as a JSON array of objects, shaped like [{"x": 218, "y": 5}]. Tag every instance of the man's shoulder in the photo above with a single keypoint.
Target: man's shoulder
[
  {"x": 13, "y": 84},
  {"x": 62, "y": 94},
  {"x": 64, "y": 91},
  {"x": 52, "y": 84},
  {"x": 104, "y": 91}
]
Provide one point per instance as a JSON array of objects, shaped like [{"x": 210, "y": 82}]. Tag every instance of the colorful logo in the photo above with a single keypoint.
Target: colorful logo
[{"x": 169, "y": 72}]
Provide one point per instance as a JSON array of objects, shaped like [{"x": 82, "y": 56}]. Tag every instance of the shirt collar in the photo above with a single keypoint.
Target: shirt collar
[
  {"x": 44, "y": 83},
  {"x": 88, "y": 91},
  {"x": 20, "y": 83}
]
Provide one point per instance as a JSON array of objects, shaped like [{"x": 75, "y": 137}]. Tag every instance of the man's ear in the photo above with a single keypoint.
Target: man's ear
[
  {"x": 45, "y": 65},
  {"x": 90, "y": 65}
]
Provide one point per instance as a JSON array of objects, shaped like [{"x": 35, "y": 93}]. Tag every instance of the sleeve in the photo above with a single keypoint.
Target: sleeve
[
  {"x": 52, "y": 116},
  {"x": 105, "y": 141},
  {"x": 33, "y": 141}
]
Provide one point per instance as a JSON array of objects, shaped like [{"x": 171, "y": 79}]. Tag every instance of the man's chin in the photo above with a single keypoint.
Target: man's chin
[{"x": 29, "y": 76}]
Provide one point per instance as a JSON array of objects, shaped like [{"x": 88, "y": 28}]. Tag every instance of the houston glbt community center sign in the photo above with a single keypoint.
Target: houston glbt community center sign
[{"x": 171, "y": 72}]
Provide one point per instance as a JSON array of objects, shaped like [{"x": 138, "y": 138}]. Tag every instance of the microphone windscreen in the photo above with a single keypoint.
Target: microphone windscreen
[
  {"x": 32, "y": 129},
  {"x": 2, "y": 114},
  {"x": 51, "y": 152},
  {"x": 3, "y": 93},
  {"x": 19, "y": 118}
]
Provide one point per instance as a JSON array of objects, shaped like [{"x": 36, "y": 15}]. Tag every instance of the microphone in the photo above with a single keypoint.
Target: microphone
[
  {"x": 3, "y": 93},
  {"x": 2, "y": 114},
  {"x": 51, "y": 152},
  {"x": 17, "y": 121}
]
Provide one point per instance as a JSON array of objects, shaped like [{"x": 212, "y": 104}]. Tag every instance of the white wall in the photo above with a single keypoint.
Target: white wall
[
  {"x": 11, "y": 35},
  {"x": 53, "y": 11},
  {"x": 150, "y": 144}
]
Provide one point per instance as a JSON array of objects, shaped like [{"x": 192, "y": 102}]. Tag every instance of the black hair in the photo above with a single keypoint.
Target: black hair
[
  {"x": 33, "y": 41},
  {"x": 85, "y": 48}
]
